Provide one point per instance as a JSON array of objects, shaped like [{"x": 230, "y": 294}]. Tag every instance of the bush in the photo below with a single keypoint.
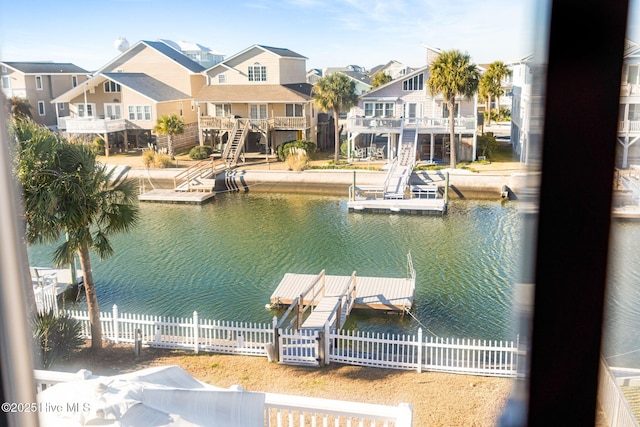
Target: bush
[
  {"x": 200, "y": 152},
  {"x": 57, "y": 335},
  {"x": 487, "y": 144},
  {"x": 297, "y": 159},
  {"x": 162, "y": 160},
  {"x": 98, "y": 146},
  {"x": 148, "y": 157},
  {"x": 283, "y": 149}
]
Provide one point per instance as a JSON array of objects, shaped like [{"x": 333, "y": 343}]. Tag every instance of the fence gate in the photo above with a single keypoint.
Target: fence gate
[{"x": 299, "y": 347}]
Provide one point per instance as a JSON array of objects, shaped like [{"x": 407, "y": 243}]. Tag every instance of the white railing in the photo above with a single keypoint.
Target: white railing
[
  {"x": 305, "y": 347},
  {"x": 91, "y": 125},
  {"x": 613, "y": 401},
  {"x": 288, "y": 410},
  {"x": 461, "y": 356},
  {"x": 629, "y": 126},
  {"x": 382, "y": 124}
]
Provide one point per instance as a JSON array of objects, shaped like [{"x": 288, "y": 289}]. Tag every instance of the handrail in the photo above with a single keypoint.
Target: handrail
[
  {"x": 193, "y": 171},
  {"x": 298, "y": 302},
  {"x": 232, "y": 134}
]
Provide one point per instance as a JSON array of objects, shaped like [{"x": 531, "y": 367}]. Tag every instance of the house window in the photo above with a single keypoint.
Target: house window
[
  {"x": 445, "y": 110},
  {"x": 61, "y": 106},
  {"x": 632, "y": 75},
  {"x": 86, "y": 110},
  {"x": 113, "y": 111},
  {"x": 6, "y": 82},
  {"x": 293, "y": 110},
  {"x": 181, "y": 108},
  {"x": 257, "y": 73},
  {"x": 258, "y": 111},
  {"x": 39, "y": 82},
  {"x": 221, "y": 110},
  {"x": 41, "y": 108},
  {"x": 74, "y": 81},
  {"x": 111, "y": 87},
  {"x": 379, "y": 109},
  {"x": 222, "y": 78},
  {"x": 634, "y": 112},
  {"x": 139, "y": 112},
  {"x": 413, "y": 83}
]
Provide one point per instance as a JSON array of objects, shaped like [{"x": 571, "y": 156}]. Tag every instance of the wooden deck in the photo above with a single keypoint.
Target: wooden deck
[
  {"x": 173, "y": 196},
  {"x": 378, "y": 293},
  {"x": 414, "y": 206}
]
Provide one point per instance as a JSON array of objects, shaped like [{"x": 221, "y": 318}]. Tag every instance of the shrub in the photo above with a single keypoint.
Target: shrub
[
  {"x": 297, "y": 159},
  {"x": 283, "y": 149},
  {"x": 148, "y": 157},
  {"x": 487, "y": 143},
  {"x": 200, "y": 152},
  {"x": 98, "y": 146},
  {"x": 57, "y": 335},
  {"x": 162, "y": 160}
]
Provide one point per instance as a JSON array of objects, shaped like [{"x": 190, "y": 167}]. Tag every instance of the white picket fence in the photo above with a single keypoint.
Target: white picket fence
[{"x": 310, "y": 348}]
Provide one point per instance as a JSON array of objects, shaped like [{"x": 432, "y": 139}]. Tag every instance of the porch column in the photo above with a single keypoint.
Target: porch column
[
  {"x": 126, "y": 141},
  {"x": 106, "y": 144},
  {"x": 432, "y": 147}
]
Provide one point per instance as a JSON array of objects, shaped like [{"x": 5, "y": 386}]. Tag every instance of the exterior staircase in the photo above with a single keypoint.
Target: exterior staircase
[
  {"x": 238, "y": 137},
  {"x": 400, "y": 171}
]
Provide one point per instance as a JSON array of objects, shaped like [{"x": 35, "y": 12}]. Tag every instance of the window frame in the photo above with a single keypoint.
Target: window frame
[
  {"x": 41, "y": 109},
  {"x": 39, "y": 82},
  {"x": 111, "y": 87}
]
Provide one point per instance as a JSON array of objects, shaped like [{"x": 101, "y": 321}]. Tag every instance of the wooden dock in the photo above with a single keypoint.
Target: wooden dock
[
  {"x": 377, "y": 293},
  {"x": 176, "y": 196}
]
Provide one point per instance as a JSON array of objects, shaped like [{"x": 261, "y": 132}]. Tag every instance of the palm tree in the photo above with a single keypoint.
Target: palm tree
[
  {"x": 19, "y": 108},
  {"x": 491, "y": 84},
  {"x": 380, "y": 78},
  {"x": 66, "y": 190},
  {"x": 335, "y": 92},
  {"x": 452, "y": 74},
  {"x": 170, "y": 125}
]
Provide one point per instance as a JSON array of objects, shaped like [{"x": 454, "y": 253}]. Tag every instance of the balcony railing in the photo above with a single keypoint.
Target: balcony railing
[
  {"x": 629, "y": 126},
  {"x": 275, "y": 123},
  {"x": 382, "y": 124},
  {"x": 91, "y": 125}
]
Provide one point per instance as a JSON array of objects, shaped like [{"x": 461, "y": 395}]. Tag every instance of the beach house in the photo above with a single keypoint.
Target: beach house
[
  {"x": 261, "y": 95},
  {"x": 629, "y": 111},
  {"x": 122, "y": 101}
]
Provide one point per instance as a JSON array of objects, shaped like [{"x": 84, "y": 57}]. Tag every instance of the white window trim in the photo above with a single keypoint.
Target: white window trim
[
  {"x": 144, "y": 115},
  {"x": 41, "y": 109},
  {"x": 39, "y": 83},
  {"x": 93, "y": 109}
]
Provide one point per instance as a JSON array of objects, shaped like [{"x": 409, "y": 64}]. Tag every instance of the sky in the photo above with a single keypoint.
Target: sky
[{"x": 330, "y": 33}]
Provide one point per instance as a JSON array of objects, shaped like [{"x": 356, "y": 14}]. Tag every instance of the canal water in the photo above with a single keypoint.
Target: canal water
[{"x": 225, "y": 258}]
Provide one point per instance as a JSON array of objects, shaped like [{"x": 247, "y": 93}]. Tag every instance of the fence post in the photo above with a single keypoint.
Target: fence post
[
  {"x": 196, "y": 338},
  {"x": 419, "y": 350},
  {"x": 327, "y": 344},
  {"x": 276, "y": 340},
  {"x": 321, "y": 354},
  {"x": 116, "y": 331}
]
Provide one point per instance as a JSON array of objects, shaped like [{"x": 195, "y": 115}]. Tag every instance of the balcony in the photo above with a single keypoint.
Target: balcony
[
  {"x": 274, "y": 123},
  {"x": 629, "y": 126},
  {"x": 91, "y": 125},
  {"x": 423, "y": 124}
]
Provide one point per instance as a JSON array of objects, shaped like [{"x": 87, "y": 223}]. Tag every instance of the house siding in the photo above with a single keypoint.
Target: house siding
[
  {"x": 151, "y": 62},
  {"x": 292, "y": 71}
]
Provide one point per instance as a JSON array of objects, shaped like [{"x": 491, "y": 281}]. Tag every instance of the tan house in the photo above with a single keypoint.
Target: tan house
[
  {"x": 39, "y": 83},
  {"x": 122, "y": 101},
  {"x": 256, "y": 100}
]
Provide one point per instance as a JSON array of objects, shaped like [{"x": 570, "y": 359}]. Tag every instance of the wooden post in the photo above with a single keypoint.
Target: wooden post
[
  {"x": 446, "y": 188},
  {"x": 276, "y": 340},
  {"x": 353, "y": 191},
  {"x": 299, "y": 312},
  {"x": 327, "y": 341},
  {"x": 321, "y": 355},
  {"x": 339, "y": 315}
]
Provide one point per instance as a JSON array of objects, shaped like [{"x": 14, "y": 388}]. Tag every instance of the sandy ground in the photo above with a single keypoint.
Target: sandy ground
[{"x": 437, "y": 399}]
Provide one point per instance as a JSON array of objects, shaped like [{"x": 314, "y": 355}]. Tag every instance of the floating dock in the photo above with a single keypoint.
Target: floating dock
[
  {"x": 174, "y": 196},
  {"x": 316, "y": 300},
  {"x": 49, "y": 283}
]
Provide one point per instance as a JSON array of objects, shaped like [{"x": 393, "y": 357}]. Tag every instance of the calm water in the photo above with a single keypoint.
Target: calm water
[{"x": 224, "y": 260}]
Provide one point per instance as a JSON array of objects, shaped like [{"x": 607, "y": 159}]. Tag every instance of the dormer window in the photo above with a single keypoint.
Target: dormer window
[
  {"x": 414, "y": 83},
  {"x": 111, "y": 87},
  {"x": 257, "y": 73},
  {"x": 222, "y": 78}
]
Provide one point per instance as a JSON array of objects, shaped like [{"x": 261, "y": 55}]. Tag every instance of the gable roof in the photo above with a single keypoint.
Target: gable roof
[
  {"x": 296, "y": 92},
  {"x": 147, "y": 86},
  {"x": 281, "y": 52},
  {"x": 45, "y": 67},
  {"x": 372, "y": 92},
  {"x": 164, "y": 49}
]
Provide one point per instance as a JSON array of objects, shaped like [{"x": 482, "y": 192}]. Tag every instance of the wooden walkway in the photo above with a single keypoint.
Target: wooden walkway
[
  {"x": 173, "y": 196},
  {"x": 378, "y": 293},
  {"x": 413, "y": 206}
]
